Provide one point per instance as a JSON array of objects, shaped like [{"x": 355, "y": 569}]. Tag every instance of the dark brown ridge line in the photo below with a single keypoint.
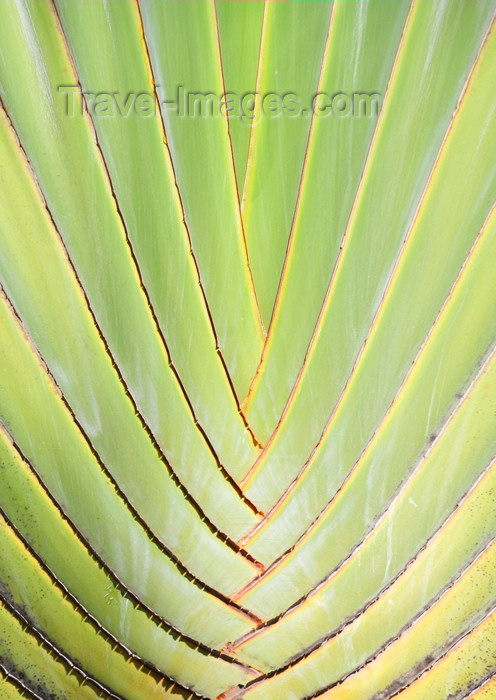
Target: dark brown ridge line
[
  {"x": 134, "y": 658},
  {"x": 481, "y": 682},
  {"x": 317, "y": 327},
  {"x": 135, "y": 262},
  {"x": 162, "y": 547},
  {"x": 405, "y": 628},
  {"x": 323, "y": 66},
  {"x": 163, "y": 459},
  {"x": 307, "y": 465},
  {"x": 245, "y": 245},
  {"x": 18, "y": 684},
  {"x": 426, "y": 448},
  {"x": 53, "y": 650},
  {"x": 452, "y": 641},
  {"x": 363, "y": 609},
  {"x": 218, "y": 350},
  {"x": 468, "y": 692},
  {"x": 429, "y": 662}
]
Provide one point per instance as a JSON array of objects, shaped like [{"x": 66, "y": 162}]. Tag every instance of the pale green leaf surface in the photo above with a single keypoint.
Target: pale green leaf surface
[
  {"x": 379, "y": 225},
  {"x": 154, "y": 222},
  {"x": 194, "y": 508},
  {"x": 460, "y": 670},
  {"x": 47, "y": 435},
  {"x": 61, "y": 310},
  {"x": 436, "y": 367},
  {"x": 371, "y": 607},
  {"x": 86, "y": 376},
  {"x": 465, "y": 444},
  {"x": 115, "y": 609},
  {"x": 289, "y": 66},
  {"x": 29, "y": 658},
  {"x": 327, "y": 190},
  {"x": 199, "y": 145},
  {"x": 240, "y": 27},
  {"x": 414, "y": 298},
  {"x": 460, "y": 608}
]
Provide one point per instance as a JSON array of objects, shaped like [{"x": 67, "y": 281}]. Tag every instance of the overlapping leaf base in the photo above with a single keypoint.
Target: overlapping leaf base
[{"x": 247, "y": 365}]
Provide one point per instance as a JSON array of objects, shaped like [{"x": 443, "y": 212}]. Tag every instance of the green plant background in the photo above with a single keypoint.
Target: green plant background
[{"x": 247, "y": 367}]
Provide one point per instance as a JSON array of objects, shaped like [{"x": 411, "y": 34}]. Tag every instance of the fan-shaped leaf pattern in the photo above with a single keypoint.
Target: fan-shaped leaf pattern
[{"x": 247, "y": 349}]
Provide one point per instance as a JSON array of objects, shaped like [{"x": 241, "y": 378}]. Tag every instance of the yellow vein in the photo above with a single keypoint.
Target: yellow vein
[
  {"x": 118, "y": 584},
  {"x": 295, "y": 214},
  {"x": 249, "y": 158},
  {"x": 218, "y": 350},
  {"x": 53, "y": 651},
  {"x": 151, "y": 436},
  {"x": 325, "y": 304},
  {"x": 162, "y": 546},
  {"x": 331, "y": 634},
  {"x": 233, "y": 170},
  {"x": 315, "y": 452},
  {"x": 381, "y": 516},
  {"x": 404, "y": 629},
  {"x": 134, "y": 259}
]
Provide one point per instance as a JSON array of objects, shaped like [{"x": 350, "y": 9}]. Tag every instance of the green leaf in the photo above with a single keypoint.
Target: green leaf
[{"x": 247, "y": 349}]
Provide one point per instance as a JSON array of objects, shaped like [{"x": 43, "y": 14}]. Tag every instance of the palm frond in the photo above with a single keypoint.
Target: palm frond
[{"x": 247, "y": 350}]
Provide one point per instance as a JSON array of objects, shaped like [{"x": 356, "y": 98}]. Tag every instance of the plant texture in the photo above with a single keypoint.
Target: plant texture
[{"x": 247, "y": 349}]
